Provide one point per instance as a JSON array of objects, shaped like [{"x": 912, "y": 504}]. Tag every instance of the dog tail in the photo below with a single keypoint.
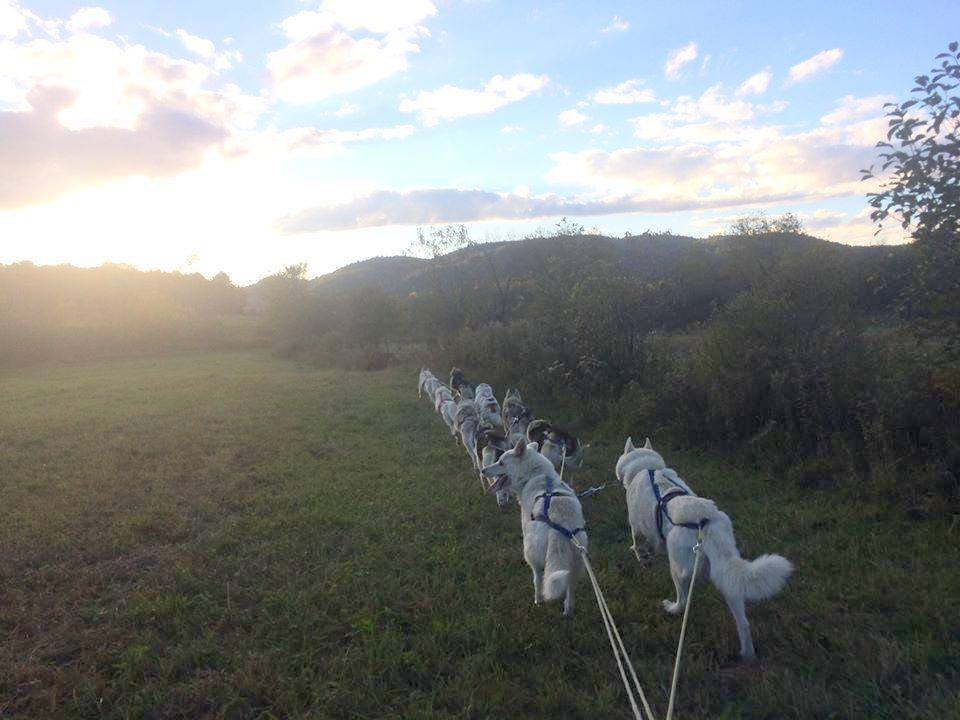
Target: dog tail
[
  {"x": 562, "y": 567},
  {"x": 755, "y": 579}
]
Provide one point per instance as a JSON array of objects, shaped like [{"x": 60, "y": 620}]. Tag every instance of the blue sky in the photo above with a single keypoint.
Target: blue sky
[{"x": 242, "y": 136}]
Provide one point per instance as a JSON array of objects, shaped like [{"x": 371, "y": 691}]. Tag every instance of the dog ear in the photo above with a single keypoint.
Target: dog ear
[
  {"x": 534, "y": 446},
  {"x": 629, "y": 446},
  {"x": 648, "y": 445},
  {"x": 498, "y": 484},
  {"x": 520, "y": 447}
]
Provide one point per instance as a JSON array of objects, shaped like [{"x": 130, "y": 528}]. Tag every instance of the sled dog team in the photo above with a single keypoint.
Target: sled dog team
[{"x": 519, "y": 456}]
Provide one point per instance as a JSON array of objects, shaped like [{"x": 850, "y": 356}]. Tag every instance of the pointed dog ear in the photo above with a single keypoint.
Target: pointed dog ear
[
  {"x": 534, "y": 446},
  {"x": 520, "y": 447},
  {"x": 629, "y": 446},
  {"x": 648, "y": 445}
]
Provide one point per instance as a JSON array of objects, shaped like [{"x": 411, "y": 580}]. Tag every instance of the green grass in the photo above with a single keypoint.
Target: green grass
[{"x": 234, "y": 536}]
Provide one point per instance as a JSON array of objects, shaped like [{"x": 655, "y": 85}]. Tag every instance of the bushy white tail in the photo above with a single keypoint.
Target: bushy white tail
[{"x": 734, "y": 577}]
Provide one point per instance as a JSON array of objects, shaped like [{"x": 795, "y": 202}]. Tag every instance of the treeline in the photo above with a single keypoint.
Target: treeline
[
  {"x": 64, "y": 313},
  {"x": 812, "y": 356}
]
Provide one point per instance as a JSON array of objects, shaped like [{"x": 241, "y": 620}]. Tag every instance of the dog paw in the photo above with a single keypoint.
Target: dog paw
[{"x": 671, "y": 607}]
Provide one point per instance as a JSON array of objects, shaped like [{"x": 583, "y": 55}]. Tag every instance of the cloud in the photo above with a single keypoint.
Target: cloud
[
  {"x": 205, "y": 49},
  {"x": 598, "y": 129},
  {"x": 812, "y": 66},
  {"x": 197, "y": 45},
  {"x": 571, "y": 117},
  {"x": 678, "y": 58},
  {"x": 450, "y": 102},
  {"x": 851, "y": 107},
  {"x": 709, "y": 118},
  {"x": 346, "y": 45},
  {"x": 616, "y": 25},
  {"x": 508, "y": 129},
  {"x": 347, "y": 108},
  {"x": 626, "y": 93},
  {"x": 758, "y": 165},
  {"x": 87, "y": 18},
  {"x": 756, "y": 84},
  {"x": 306, "y": 138},
  {"x": 84, "y": 110},
  {"x": 440, "y": 205},
  {"x": 41, "y": 160}
]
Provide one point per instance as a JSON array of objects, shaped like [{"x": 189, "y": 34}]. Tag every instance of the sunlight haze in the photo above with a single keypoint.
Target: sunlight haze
[{"x": 244, "y": 136}]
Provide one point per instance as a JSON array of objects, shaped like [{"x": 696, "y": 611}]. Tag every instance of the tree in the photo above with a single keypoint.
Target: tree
[
  {"x": 922, "y": 188},
  {"x": 760, "y": 224},
  {"x": 567, "y": 228},
  {"x": 922, "y": 154},
  {"x": 442, "y": 241}
]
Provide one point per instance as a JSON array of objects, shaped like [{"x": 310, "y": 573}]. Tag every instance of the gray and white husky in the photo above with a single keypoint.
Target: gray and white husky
[
  {"x": 467, "y": 422},
  {"x": 424, "y": 376},
  {"x": 672, "y": 521},
  {"x": 441, "y": 395},
  {"x": 516, "y": 417},
  {"x": 491, "y": 444},
  {"x": 448, "y": 412},
  {"x": 560, "y": 447},
  {"x": 556, "y": 563}
]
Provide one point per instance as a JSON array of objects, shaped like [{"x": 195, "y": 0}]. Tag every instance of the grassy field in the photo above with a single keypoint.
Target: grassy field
[{"x": 235, "y": 536}]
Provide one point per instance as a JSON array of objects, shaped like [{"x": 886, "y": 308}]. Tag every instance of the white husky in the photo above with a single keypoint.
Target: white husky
[
  {"x": 448, "y": 412},
  {"x": 467, "y": 422},
  {"x": 491, "y": 444},
  {"x": 664, "y": 510},
  {"x": 441, "y": 395},
  {"x": 550, "y": 513},
  {"x": 516, "y": 417},
  {"x": 424, "y": 376},
  {"x": 481, "y": 390}
]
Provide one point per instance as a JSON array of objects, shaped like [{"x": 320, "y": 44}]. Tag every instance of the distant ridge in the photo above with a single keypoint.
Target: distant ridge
[{"x": 648, "y": 257}]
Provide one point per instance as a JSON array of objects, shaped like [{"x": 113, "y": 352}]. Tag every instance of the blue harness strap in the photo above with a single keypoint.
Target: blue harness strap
[
  {"x": 544, "y": 515},
  {"x": 664, "y": 500}
]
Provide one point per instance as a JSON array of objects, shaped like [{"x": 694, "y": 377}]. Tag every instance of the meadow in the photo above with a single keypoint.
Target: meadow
[{"x": 232, "y": 535}]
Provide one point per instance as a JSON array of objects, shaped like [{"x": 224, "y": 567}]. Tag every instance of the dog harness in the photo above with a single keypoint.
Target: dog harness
[
  {"x": 663, "y": 501},
  {"x": 544, "y": 515}
]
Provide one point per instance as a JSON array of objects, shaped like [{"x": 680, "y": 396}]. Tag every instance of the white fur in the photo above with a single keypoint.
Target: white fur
[
  {"x": 467, "y": 421},
  {"x": 440, "y": 396},
  {"x": 555, "y": 562},
  {"x": 448, "y": 412},
  {"x": 430, "y": 386},
  {"x": 738, "y": 580},
  {"x": 489, "y": 457},
  {"x": 424, "y": 376}
]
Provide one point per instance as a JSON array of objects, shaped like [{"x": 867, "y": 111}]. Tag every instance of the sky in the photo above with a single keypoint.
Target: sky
[{"x": 243, "y": 136}]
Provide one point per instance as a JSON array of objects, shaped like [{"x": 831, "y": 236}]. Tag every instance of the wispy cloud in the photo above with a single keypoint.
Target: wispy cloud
[
  {"x": 206, "y": 49},
  {"x": 850, "y": 107},
  {"x": 814, "y": 65},
  {"x": 626, "y": 93},
  {"x": 756, "y": 84},
  {"x": 346, "y": 45},
  {"x": 87, "y": 18},
  {"x": 678, "y": 58},
  {"x": 571, "y": 117},
  {"x": 616, "y": 25},
  {"x": 450, "y": 102}
]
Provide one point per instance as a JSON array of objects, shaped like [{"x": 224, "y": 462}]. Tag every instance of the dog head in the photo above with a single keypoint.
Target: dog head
[
  {"x": 644, "y": 457},
  {"x": 515, "y": 467}
]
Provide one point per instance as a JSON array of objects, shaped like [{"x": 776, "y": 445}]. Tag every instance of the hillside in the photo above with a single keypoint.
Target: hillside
[{"x": 648, "y": 258}]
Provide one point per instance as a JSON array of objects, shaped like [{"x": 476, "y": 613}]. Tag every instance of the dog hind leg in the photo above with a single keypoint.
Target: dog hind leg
[
  {"x": 537, "y": 586},
  {"x": 681, "y": 580},
  {"x": 738, "y": 610},
  {"x": 568, "y": 601}
]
